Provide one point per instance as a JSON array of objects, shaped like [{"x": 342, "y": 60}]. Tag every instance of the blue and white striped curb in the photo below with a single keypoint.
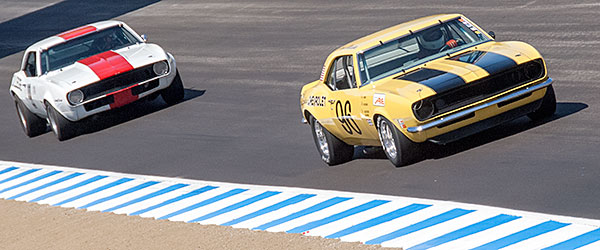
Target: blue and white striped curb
[{"x": 391, "y": 221}]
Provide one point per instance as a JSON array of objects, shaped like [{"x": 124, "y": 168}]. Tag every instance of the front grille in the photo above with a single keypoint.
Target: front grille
[
  {"x": 482, "y": 89},
  {"x": 118, "y": 82},
  {"x": 99, "y": 103},
  {"x": 111, "y": 99}
]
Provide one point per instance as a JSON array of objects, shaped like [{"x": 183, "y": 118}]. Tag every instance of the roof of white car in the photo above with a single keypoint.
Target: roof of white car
[{"x": 70, "y": 34}]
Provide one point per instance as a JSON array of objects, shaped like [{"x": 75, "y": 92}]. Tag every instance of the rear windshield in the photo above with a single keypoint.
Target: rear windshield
[
  {"x": 71, "y": 51},
  {"x": 417, "y": 48}
]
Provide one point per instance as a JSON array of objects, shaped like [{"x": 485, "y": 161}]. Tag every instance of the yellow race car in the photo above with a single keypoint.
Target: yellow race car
[{"x": 438, "y": 78}]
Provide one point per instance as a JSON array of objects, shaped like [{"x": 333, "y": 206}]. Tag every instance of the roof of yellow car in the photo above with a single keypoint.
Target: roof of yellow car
[{"x": 393, "y": 32}]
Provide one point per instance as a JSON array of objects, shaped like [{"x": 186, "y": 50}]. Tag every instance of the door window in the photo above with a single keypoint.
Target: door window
[
  {"x": 30, "y": 65},
  {"x": 341, "y": 74}
]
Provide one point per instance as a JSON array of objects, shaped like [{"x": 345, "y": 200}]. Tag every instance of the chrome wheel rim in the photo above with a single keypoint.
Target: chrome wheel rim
[
  {"x": 52, "y": 121},
  {"x": 22, "y": 116},
  {"x": 322, "y": 141},
  {"x": 386, "y": 137}
]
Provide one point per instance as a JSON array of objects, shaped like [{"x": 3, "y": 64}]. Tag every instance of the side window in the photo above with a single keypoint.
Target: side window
[
  {"x": 30, "y": 68},
  {"x": 341, "y": 74},
  {"x": 44, "y": 62},
  {"x": 350, "y": 70}
]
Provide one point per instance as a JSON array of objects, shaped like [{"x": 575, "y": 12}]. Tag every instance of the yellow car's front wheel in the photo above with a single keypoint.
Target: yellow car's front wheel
[
  {"x": 548, "y": 106},
  {"x": 398, "y": 149},
  {"x": 333, "y": 151}
]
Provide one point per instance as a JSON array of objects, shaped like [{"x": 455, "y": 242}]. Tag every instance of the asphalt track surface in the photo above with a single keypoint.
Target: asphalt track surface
[{"x": 243, "y": 64}]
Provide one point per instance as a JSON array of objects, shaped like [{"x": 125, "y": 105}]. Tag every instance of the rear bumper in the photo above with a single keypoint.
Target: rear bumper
[{"x": 465, "y": 114}]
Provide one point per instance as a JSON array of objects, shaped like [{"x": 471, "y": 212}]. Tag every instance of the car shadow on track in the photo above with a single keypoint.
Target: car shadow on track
[
  {"x": 435, "y": 151},
  {"x": 20, "y": 32},
  {"x": 513, "y": 127},
  {"x": 129, "y": 112}
]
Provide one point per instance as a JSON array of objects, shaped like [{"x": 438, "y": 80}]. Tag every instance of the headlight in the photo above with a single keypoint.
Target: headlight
[
  {"x": 534, "y": 69},
  {"x": 423, "y": 109},
  {"x": 75, "y": 96},
  {"x": 160, "y": 68}
]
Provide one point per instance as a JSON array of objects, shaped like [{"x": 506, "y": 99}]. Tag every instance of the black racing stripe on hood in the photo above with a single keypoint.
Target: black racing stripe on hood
[
  {"x": 437, "y": 80},
  {"x": 492, "y": 63}
]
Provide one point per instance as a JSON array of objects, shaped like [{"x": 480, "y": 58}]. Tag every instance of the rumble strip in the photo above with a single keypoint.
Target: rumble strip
[{"x": 391, "y": 221}]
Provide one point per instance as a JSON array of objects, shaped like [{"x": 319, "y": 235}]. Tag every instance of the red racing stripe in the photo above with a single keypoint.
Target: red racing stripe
[
  {"x": 107, "y": 64},
  {"x": 76, "y": 32}
]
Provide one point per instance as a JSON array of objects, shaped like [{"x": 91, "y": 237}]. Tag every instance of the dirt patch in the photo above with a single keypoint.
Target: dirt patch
[{"x": 33, "y": 226}]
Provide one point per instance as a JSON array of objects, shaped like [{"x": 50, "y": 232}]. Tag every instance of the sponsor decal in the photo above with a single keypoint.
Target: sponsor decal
[
  {"x": 379, "y": 100},
  {"x": 370, "y": 122},
  {"x": 401, "y": 122},
  {"x": 343, "y": 113},
  {"x": 76, "y": 32},
  {"x": 469, "y": 25},
  {"x": 107, "y": 64},
  {"x": 17, "y": 85},
  {"x": 317, "y": 101}
]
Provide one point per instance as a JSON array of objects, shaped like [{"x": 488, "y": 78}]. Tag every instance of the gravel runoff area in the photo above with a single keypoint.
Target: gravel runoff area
[{"x": 35, "y": 226}]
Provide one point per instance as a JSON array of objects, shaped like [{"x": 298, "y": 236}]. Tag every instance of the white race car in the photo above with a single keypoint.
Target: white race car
[{"x": 88, "y": 70}]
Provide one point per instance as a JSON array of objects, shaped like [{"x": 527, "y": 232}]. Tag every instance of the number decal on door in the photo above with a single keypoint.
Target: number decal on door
[{"x": 343, "y": 113}]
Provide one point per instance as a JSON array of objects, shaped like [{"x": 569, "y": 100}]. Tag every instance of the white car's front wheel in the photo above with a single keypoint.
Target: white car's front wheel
[
  {"x": 62, "y": 128},
  {"x": 175, "y": 92},
  {"x": 32, "y": 124}
]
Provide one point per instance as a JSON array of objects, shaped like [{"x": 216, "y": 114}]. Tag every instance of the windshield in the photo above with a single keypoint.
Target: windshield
[
  {"x": 71, "y": 51},
  {"x": 417, "y": 48}
]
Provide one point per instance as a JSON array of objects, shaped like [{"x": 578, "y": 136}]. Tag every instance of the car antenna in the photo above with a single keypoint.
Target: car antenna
[
  {"x": 380, "y": 42},
  {"x": 411, "y": 33},
  {"x": 440, "y": 21}
]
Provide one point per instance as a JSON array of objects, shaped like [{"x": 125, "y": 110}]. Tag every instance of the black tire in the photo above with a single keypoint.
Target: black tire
[
  {"x": 398, "y": 148},
  {"x": 333, "y": 151},
  {"x": 174, "y": 93},
  {"x": 32, "y": 124},
  {"x": 547, "y": 108},
  {"x": 62, "y": 128}
]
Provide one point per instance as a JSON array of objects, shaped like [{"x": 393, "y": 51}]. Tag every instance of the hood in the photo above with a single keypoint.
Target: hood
[
  {"x": 106, "y": 64},
  {"x": 446, "y": 73}
]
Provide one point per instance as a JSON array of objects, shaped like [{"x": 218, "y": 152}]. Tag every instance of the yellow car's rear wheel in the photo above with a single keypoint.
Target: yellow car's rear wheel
[
  {"x": 398, "y": 149},
  {"x": 333, "y": 151}
]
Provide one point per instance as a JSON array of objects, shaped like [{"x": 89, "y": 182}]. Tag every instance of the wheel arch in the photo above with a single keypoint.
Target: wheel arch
[
  {"x": 385, "y": 115},
  {"x": 307, "y": 115}
]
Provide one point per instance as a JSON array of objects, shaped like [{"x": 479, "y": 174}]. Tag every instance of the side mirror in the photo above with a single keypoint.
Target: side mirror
[
  {"x": 492, "y": 34},
  {"x": 144, "y": 37}
]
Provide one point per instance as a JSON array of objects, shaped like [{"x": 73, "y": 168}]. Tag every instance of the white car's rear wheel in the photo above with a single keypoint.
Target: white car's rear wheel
[
  {"x": 399, "y": 149},
  {"x": 333, "y": 151},
  {"x": 32, "y": 124},
  {"x": 62, "y": 128}
]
